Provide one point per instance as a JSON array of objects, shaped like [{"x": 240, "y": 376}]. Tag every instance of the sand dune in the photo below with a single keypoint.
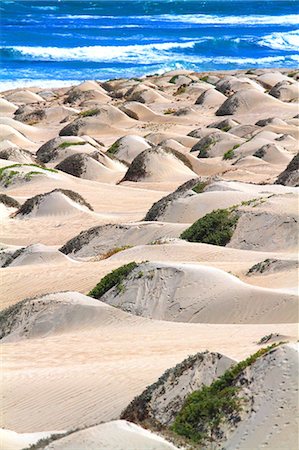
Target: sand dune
[
  {"x": 115, "y": 435},
  {"x": 98, "y": 241},
  {"x": 187, "y": 293},
  {"x": 55, "y": 202}
]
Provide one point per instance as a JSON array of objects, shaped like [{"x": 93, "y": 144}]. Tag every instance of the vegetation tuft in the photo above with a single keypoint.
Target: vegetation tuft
[
  {"x": 10, "y": 202},
  {"x": 199, "y": 187},
  {"x": 229, "y": 154},
  {"x": 89, "y": 112},
  {"x": 114, "y": 278},
  {"x": 214, "y": 228},
  {"x": 115, "y": 250},
  {"x": 69, "y": 144},
  {"x": 173, "y": 79}
]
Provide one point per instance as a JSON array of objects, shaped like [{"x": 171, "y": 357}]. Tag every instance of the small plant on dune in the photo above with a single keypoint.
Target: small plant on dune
[
  {"x": 169, "y": 111},
  {"x": 173, "y": 79},
  {"x": 214, "y": 228},
  {"x": 69, "y": 144},
  {"x": 7, "y": 177},
  {"x": 112, "y": 279},
  {"x": 206, "y": 409},
  {"x": 205, "y": 78},
  {"x": 113, "y": 148},
  {"x": 9, "y": 201},
  {"x": 181, "y": 90},
  {"x": 225, "y": 129},
  {"x": 199, "y": 187},
  {"x": 292, "y": 74},
  {"x": 115, "y": 250},
  {"x": 230, "y": 154},
  {"x": 89, "y": 112}
]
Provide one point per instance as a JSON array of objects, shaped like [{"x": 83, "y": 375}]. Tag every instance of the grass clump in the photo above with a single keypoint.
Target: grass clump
[
  {"x": 115, "y": 250},
  {"x": 89, "y": 112},
  {"x": 206, "y": 409},
  {"x": 10, "y": 202},
  {"x": 69, "y": 144},
  {"x": 199, "y": 187},
  {"x": 204, "y": 79},
  {"x": 113, "y": 148},
  {"x": 173, "y": 79},
  {"x": 215, "y": 228},
  {"x": 169, "y": 111},
  {"x": 28, "y": 165},
  {"x": 181, "y": 90},
  {"x": 114, "y": 278},
  {"x": 229, "y": 154}
]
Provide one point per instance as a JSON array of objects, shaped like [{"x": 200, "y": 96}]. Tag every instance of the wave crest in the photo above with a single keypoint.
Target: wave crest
[{"x": 281, "y": 41}]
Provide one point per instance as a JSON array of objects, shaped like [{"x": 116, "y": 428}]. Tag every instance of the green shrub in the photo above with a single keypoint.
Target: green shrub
[
  {"x": 204, "y": 79},
  {"x": 173, "y": 79},
  {"x": 229, "y": 154},
  {"x": 214, "y": 228},
  {"x": 225, "y": 129},
  {"x": 114, "y": 278},
  {"x": 204, "y": 410},
  {"x": 199, "y": 187},
  {"x": 114, "y": 148}
]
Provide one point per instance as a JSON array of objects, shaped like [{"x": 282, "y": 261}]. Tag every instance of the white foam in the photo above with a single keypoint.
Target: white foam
[
  {"x": 41, "y": 83},
  {"x": 141, "y": 53},
  {"x": 289, "y": 19},
  {"x": 281, "y": 41}
]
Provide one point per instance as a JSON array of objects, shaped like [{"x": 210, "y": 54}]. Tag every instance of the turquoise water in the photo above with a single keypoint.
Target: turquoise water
[{"x": 76, "y": 40}]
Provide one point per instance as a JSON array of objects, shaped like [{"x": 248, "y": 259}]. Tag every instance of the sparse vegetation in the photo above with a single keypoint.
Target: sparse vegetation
[
  {"x": 206, "y": 409},
  {"x": 69, "y": 144},
  {"x": 169, "y": 111},
  {"x": 113, "y": 148},
  {"x": 229, "y": 154},
  {"x": 204, "y": 79},
  {"x": 199, "y": 187},
  {"x": 10, "y": 202},
  {"x": 173, "y": 79},
  {"x": 267, "y": 338},
  {"x": 261, "y": 266},
  {"x": 214, "y": 228},
  {"x": 115, "y": 250},
  {"x": 181, "y": 90},
  {"x": 2, "y": 169},
  {"x": 89, "y": 112},
  {"x": 292, "y": 74},
  {"x": 112, "y": 279},
  {"x": 260, "y": 153},
  {"x": 225, "y": 129}
]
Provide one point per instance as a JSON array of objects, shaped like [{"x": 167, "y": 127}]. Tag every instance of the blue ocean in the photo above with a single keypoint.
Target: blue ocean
[{"x": 46, "y": 42}]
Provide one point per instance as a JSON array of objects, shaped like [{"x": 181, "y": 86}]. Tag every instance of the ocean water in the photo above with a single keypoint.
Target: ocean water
[{"x": 56, "y": 42}]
